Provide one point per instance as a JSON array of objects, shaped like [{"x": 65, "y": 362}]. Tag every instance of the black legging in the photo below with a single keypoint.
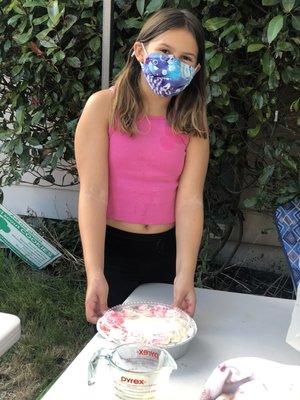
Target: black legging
[{"x": 132, "y": 259}]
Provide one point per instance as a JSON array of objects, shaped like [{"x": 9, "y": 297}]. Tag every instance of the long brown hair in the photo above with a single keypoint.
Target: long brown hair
[{"x": 186, "y": 112}]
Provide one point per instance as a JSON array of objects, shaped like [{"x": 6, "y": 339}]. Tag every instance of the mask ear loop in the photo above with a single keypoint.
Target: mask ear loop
[
  {"x": 197, "y": 68},
  {"x": 133, "y": 53},
  {"x": 149, "y": 124}
]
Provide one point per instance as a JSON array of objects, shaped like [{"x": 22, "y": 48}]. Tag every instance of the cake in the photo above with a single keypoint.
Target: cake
[{"x": 149, "y": 323}]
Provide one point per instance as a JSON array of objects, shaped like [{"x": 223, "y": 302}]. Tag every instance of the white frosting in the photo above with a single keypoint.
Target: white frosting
[{"x": 158, "y": 325}]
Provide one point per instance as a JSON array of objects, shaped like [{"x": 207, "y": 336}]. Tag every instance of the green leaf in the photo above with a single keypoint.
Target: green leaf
[
  {"x": 46, "y": 161},
  {"x": 16, "y": 70},
  {"x": 233, "y": 149},
  {"x": 24, "y": 37},
  {"x": 58, "y": 56},
  {"x": 71, "y": 43},
  {"x": 227, "y": 31},
  {"x": 57, "y": 77},
  {"x": 53, "y": 12},
  {"x": 295, "y": 105},
  {"x": 32, "y": 141},
  {"x": 18, "y": 10},
  {"x": 296, "y": 22},
  {"x": 254, "y": 47},
  {"x": 285, "y": 75},
  {"x": 274, "y": 27},
  {"x": 290, "y": 163},
  {"x": 54, "y": 161},
  {"x": 213, "y": 24},
  {"x": 295, "y": 74},
  {"x": 94, "y": 73},
  {"x": 216, "y": 90},
  {"x": 34, "y": 3},
  {"x": 268, "y": 63},
  {"x": 269, "y": 2},
  {"x": 95, "y": 43},
  {"x": 48, "y": 42},
  {"x": 235, "y": 45},
  {"x": 140, "y": 5},
  {"x": 22, "y": 26},
  {"x": 232, "y": 117},
  {"x": 60, "y": 151},
  {"x": 218, "y": 152},
  {"x": 74, "y": 62},
  {"x": 154, "y": 5},
  {"x": 20, "y": 113},
  {"x": 210, "y": 53},
  {"x": 4, "y": 134},
  {"x": 288, "y": 5},
  {"x": 133, "y": 23},
  {"x": 89, "y": 3},
  {"x": 78, "y": 87},
  {"x": 40, "y": 20},
  {"x": 69, "y": 21},
  {"x": 18, "y": 148},
  {"x": 266, "y": 174},
  {"x": 218, "y": 75},
  {"x": 7, "y": 147},
  {"x": 13, "y": 20},
  {"x": 216, "y": 61},
  {"x": 273, "y": 81},
  {"x": 284, "y": 46},
  {"x": 284, "y": 199},
  {"x": 37, "y": 117},
  {"x": 250, "y": 202},
  {"x": 208, "y": 44},
  {"x": 257, "y": 100},
  {"x": 43, "y": 34},
  {"x": 253, "y": 132},
  {"x": 24, "y": 159}
]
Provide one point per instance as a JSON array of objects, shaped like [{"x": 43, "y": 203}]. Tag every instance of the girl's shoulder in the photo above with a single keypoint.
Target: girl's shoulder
[
  {"x": 99, "y": 105},
  {"x": 104, "y": 92},
  {"x": 112, "y": 89},
  {"x": 102, "y": 97}
]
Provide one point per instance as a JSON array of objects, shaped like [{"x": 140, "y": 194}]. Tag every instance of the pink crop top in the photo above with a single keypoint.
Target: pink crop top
[{"x": 144, "y": 171}]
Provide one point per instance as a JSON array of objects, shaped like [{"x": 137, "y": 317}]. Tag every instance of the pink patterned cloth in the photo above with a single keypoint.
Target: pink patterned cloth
[{"x": 251, "y": 378}]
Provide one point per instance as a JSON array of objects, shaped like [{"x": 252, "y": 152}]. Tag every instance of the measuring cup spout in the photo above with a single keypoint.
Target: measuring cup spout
[
  {"x": 166, "y": 361},
  {"x": 171, "y": 363}
]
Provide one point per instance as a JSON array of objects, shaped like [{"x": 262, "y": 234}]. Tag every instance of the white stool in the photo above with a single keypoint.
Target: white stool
[{"x": 10, "y": 331}]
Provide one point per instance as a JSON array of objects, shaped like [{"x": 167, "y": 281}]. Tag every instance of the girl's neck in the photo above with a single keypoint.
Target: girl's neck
[{"x": 153, "y": 104}]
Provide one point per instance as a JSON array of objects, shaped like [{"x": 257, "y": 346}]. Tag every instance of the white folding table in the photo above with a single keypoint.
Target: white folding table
[
  {"x": 10, "y": 331},
  {"x": 229, "y": 325}
]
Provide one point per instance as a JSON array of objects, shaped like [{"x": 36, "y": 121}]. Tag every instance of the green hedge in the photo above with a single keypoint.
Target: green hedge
[{"x": 50, "y": 56}]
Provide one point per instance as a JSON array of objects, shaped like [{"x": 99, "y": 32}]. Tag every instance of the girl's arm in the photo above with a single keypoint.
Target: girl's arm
[
  {"x": 91, "y": 153},
  {"x": 189, "y": 212}
]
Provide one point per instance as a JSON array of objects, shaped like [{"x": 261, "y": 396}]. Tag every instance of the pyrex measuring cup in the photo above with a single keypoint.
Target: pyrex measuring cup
[{"x": 138, "y": 372}]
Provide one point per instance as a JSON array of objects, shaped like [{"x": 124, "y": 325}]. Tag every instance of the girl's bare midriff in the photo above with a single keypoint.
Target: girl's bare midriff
[{"x": 139, "y": 228}]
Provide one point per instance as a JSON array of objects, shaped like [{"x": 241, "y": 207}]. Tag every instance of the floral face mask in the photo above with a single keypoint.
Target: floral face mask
[{"x": 166, "y": 74}]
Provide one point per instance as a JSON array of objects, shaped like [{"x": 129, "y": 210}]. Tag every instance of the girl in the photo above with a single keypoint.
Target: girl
[{"x": 142, "y": 153}]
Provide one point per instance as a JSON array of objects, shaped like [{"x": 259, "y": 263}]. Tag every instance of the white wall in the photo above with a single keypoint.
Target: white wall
[
  {"x": 49, "y": 202},
  {"x": 43, "y": 200}
]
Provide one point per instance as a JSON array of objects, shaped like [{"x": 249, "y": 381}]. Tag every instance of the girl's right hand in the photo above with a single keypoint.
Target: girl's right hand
[{"x": 96, "y": 299}]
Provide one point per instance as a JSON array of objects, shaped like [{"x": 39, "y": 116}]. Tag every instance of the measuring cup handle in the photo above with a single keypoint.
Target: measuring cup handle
[{"x": 92, "y": 367}]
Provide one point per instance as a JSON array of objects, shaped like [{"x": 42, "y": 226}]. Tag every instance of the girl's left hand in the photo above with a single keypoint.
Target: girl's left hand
[{"x": 184, "y": 294}]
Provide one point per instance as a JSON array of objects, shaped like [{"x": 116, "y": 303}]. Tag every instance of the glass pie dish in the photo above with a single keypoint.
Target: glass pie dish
[{"x": 148, "y": 323}]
